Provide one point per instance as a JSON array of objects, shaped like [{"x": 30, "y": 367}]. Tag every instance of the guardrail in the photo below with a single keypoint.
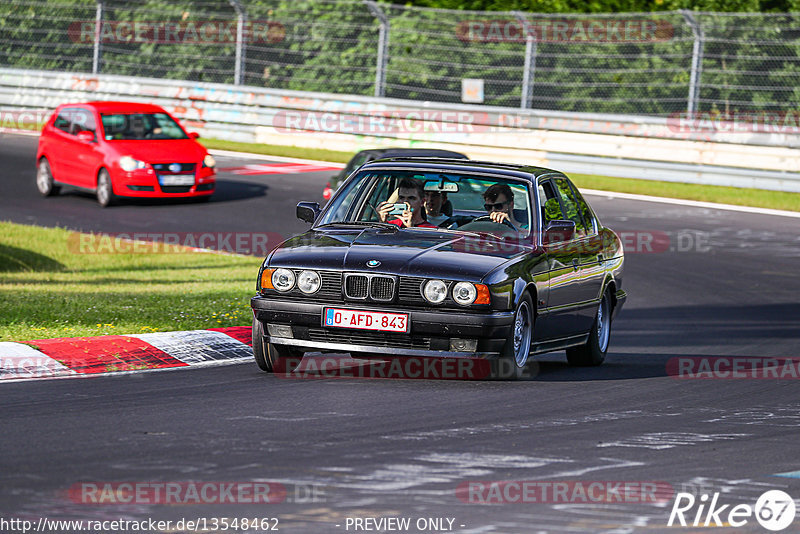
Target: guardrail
[{"x": 613, "y": 145}]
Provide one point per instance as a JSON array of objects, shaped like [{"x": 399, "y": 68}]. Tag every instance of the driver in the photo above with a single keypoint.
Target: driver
[
  {"x": 499, "y": 203},
  {"x": 409, "y": 191}
]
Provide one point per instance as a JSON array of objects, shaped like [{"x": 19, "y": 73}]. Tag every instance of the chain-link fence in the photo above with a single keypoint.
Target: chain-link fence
[{"x": 637, "y": 63}]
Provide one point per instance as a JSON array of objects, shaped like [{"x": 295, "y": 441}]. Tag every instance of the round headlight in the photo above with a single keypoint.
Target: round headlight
[
  {"x": 129, "y": 164},
  {"x": 435, "y": 291},
  {"x": 464, "y": 293},
  {"x": 283, "y": 279},
  {"x": 209, "y": 161},
  {"x": 308, "y": 282}
]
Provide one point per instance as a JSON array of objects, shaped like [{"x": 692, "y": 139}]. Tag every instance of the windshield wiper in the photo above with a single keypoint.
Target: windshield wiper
[{"x": 373, "y": 224}]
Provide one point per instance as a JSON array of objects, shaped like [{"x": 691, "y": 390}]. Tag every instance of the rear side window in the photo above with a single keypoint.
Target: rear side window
[
  {"x": 585, "y": 211},
  {"x": 570, "y": 206},
  {"x": 63, "y": 121},
  {"x": 74, "y": 120}
]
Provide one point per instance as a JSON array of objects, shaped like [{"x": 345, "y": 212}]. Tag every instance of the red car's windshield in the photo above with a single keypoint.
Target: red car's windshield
[{"x": 141, "y": 126}]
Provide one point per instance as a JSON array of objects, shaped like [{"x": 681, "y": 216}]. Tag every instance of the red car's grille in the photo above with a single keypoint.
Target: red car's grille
[{"x": 174, "y": 168}]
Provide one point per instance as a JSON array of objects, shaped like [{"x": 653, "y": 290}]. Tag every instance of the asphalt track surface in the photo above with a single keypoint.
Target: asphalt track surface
[{"x": 728, "y": 286}]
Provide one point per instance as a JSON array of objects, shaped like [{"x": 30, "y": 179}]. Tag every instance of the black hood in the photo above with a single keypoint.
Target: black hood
[{"x": 410, "y": 252}]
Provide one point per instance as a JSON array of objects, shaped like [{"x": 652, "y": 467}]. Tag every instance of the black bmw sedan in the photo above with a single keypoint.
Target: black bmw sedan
[{"x": 519, "y": 265}]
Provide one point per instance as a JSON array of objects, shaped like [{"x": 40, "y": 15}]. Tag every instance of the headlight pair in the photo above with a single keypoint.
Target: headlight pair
[
  {"x": 284, "y": 280},
  {"x": 464, "y": 293}
]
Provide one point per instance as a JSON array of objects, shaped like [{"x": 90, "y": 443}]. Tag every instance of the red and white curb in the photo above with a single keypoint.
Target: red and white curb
[{"x": 87, "y": 356}]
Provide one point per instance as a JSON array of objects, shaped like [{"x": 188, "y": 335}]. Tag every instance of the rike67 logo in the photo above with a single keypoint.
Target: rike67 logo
[{"x": 774, "y": 510}]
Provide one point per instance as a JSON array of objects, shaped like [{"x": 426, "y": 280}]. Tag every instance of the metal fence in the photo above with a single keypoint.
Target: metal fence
[{"x": 658, "y": 63}]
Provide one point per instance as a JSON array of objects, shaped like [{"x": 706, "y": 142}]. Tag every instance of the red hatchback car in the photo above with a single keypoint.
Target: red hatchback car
[{"x": 122, "y": 149}]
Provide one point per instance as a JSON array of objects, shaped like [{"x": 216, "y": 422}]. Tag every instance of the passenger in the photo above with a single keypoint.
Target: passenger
[
  {"x": 409, "y": 191},
  {"x": 434, "y": 200}
]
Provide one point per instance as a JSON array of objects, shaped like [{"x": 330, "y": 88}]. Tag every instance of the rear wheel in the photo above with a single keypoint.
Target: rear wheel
[
  {"x": 514, "y": 358},
  {"x": 272, "y": 358},
  {"x": 593, "y": 352},
  {"x": 104, "y": 192},
  {"x": 44, "y": 179}
]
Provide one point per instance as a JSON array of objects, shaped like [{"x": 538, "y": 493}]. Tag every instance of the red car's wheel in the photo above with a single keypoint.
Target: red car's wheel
[
  {"x": 44, "y": 179},
  {"x": 104, "y": 192}
]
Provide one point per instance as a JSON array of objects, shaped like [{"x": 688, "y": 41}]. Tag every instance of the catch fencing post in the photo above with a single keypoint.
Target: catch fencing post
[
  {"x": 697, "y": 61},
  {"x": 526, "y": 99},
  {"x": 241, "y": 19},
  {"x": 98, "y": 33},
  {"x": 383, "y": 47}
]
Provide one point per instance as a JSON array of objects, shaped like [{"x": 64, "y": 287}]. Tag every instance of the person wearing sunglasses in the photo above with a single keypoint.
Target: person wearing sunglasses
[{"x": 498, "y": 201}]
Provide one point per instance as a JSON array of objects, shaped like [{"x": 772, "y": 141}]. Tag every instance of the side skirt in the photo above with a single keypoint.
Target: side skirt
[{"x": 558, "y": 344}]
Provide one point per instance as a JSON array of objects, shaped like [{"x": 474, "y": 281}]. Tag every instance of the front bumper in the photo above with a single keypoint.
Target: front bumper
[
  {"x": 430, "y": 333},
  {"x": 144, "y": 183}
]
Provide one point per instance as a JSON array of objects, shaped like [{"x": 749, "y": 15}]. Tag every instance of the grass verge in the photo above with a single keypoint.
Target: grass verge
[
  {"x": 48, "y": 289},
  {"x": 707, "y": 193}
]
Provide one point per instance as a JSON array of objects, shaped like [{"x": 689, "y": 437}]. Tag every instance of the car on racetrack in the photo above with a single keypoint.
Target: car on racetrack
[
  {"x": 365, "y": 156},
  {"x": 122, "y": 149},
  {"x": 548, "y": 276}
]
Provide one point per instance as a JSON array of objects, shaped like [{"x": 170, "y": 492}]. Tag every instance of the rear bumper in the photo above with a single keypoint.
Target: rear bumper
[{"x": 430, "y": 330}]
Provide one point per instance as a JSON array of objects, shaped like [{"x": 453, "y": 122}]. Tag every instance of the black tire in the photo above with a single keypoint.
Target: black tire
[
  {"x": 514, "y": 363},
  {"x": 105, "y": 191},
  {"x": 593, "y": 352},
  {"x": 44, "y": 179},
  {"x": 272, "y": 358}
]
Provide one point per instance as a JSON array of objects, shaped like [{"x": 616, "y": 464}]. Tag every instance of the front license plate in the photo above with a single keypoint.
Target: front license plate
[
  {"x": 365, "y": 320},
  {"x": 176, "y": 179}
]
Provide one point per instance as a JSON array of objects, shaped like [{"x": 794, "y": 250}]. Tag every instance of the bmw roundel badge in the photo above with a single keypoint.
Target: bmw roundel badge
[{"x": 373, "y": 263}]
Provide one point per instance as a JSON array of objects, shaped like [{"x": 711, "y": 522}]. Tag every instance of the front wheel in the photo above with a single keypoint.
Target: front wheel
[
  {"x": 272, "y": 358},
  {"x": 44, "y": 179},
  {"x": 105, "y": 191},
  {"x": 514, "y": 358},
  {"x": 593, "y": 352}
]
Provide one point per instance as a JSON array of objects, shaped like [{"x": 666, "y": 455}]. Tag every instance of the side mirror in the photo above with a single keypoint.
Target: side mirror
[
  {"x": 558, "y": 230},
  {"x": 194, "y": 135},
  {"x": 85, "y": 136},
  {"x": 308, "y": 211}
]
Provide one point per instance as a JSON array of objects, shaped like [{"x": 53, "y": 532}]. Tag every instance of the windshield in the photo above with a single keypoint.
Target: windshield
[
  {"x": 141, "y": 126},
  {"x": 444, "y": 201}
]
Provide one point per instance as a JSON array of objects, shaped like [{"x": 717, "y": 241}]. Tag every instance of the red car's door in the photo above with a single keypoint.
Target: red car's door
[{"x": 74, "y": 160}]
